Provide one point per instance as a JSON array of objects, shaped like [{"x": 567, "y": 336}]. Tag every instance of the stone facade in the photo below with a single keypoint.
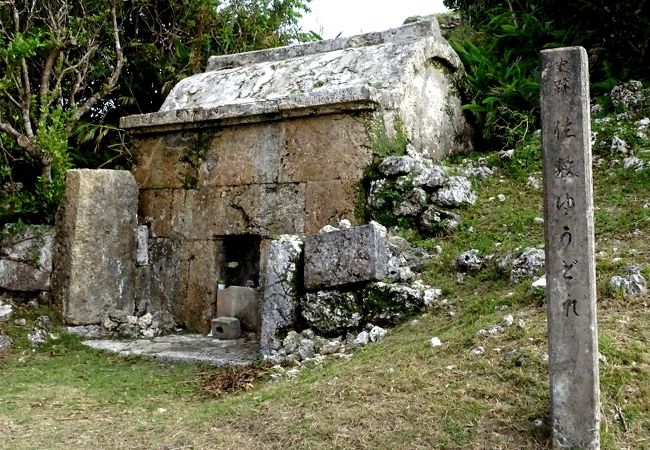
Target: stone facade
[
  {"x": 273, "y": 143},
  {"x": 265, "y": 179}
]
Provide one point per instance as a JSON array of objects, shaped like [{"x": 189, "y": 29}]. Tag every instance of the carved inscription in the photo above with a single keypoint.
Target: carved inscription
[
  {"x": 565, "y": 168},
  {"x": 568, "y": 206}
]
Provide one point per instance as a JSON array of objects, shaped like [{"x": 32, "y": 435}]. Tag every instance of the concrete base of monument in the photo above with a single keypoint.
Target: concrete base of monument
[{"x": 185, "y": 348}]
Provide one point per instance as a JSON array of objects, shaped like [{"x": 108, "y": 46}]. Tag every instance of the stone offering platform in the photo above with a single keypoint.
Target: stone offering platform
[{"x": 184, "y": 348}]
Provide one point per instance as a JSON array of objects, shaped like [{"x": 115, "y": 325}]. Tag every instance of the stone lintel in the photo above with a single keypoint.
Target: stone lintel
[{"x": 358, "y": 98}]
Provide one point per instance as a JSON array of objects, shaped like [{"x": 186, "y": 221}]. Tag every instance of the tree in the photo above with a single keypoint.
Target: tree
[
  {"x": 70, "y": 68},
  {"x": 58, "y": 59}
]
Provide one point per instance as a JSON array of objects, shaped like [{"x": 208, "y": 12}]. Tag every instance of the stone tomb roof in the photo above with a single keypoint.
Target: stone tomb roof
[{"x": 365, "y": 72}]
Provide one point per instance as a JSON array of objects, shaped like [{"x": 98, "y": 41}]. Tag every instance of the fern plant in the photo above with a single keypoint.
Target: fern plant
[{"x": 502, "y": 82}]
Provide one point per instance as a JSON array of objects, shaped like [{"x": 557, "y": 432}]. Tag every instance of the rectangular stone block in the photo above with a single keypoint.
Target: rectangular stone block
[
  {"x": 328, "y": 147},
  {"x": 327, "y": 202},
  {"x": 347, "y": 256},
  {"x": 171, "y": 161},
  {"x": 158, "y": 283},
  {"x": 155, "y": 207},
  {"x": 199, "y": 274},
  {"x": 226, "y": 328},
  {"x": 243, "y": 154},
  {"x": 94, "y": 257},
  {"x": 232, "y": 156},
  {"x": 240, "y": 302},
  {"x": 264, "y": 210}
]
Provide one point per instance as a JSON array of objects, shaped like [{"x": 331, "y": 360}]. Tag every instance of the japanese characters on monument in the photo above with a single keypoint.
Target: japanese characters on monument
[{"x": 569, "y": 233}]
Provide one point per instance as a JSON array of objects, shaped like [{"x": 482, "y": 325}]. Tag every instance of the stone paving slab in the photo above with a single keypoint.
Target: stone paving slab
[{"x": 184, "y": 348}]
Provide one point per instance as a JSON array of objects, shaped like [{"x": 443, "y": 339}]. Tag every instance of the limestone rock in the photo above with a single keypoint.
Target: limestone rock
[
  {"x": 627, "y": 95},
  {"x": 331, "y": 312},
  {"x": 376, "y": 334},
  {"x": 6, "y": 310},
  {"x": 397, "y": 165},
  {"x": 330, "y": 347},
  {"x": 538, "y": 287},
  {"x": 39, "y": 336},
  {"x": 158, "y": 284},
  {"x": 469, "y": 261},
  {"x": 619, "y": 146},
  {"x": 527, "y": 264},
  {"x": 5, "y": 344},
  {"x": 26, "y": 261},
  {"x": 291, "y": 342},
  {"x": 88, "y": 331},
  {"x": 278, "y": 277},
  {"x": 413, "y": 203},
  {"x": 633, "y": 162},
  {"x": 631, "y": 283},
  {"x": 430, "y": 296},
  {"x": 507, "y": 155},
  {"x": 432, "y": 178},
  {"x": 455, "y": 192},
  {"x": 388, "y": 304},
  {"x": 305, "y": 349},
  {"x": 344, "y": 224},
  {"x": 534, "y": 182},
  {"x": 434, "y": 219},
  {"x": 347, "y": 256},
  {"x": 327, "y": 229},
  {"x": 504, "y": 263},
  {"x": 362, "y": 339},
  {"x": 94, "y": 256},
  {"x": 480, "y": 172},
  {"x": 376, "y": 198}
]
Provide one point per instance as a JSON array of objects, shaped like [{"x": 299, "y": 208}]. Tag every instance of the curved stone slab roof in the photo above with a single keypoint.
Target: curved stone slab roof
[{"x": 359, "y": 72}]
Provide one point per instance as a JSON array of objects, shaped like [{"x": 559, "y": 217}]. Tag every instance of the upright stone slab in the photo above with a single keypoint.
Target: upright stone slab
[
  {"x": 347, "y": 256},
  {"x": 278, "y": 277},
  {"x": 94, "y": 257},
  {"x": 569, "y": 230}
]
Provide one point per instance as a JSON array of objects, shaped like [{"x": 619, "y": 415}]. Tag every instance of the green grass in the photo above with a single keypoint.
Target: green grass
[{"x": 400, "y": 393}]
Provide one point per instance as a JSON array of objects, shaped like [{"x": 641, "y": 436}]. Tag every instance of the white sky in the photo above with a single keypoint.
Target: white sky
[{"x": 328, "y": 18}]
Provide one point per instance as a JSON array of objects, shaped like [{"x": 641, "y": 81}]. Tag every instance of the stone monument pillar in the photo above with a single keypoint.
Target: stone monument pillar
[{"x": 569, "y": 231}]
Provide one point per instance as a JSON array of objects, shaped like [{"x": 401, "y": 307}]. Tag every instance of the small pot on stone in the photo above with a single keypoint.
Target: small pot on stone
[{"x": 221, "y": 284}]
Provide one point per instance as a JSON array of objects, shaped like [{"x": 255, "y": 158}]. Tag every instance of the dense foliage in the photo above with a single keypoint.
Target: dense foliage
[
  {"x": 70, "y": 68},
  {"x": 500, "y": 43}
]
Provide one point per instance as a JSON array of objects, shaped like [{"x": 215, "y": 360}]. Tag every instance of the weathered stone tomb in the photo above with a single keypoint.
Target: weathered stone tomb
[{"x": 276, "y": 142}]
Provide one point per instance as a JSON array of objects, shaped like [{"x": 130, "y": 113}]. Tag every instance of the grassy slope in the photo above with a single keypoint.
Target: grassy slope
[{"x": 397, "y": 394}]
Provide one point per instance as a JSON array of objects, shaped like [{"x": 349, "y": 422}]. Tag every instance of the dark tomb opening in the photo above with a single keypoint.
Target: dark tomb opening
[{"x": 241, "y": 262}]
